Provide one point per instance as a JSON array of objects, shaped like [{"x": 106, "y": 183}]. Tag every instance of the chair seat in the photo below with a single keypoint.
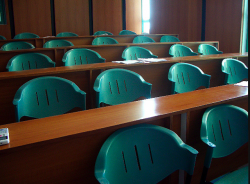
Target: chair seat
[{"x": 239, "y": 176}]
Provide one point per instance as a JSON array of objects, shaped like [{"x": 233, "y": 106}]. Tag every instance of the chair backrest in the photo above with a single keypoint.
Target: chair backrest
[
  {"x": 81, "y": 56},
  {"x": 26, "y": 36},
  {"x": 225, "y": 127},
  {"x": 104, "y": 41},
  {"x": 66, "y": 34},
  {"x": 102, "y": 33},
  {"x": 2, "y": 37},
  {"x": 132, "y": 154},
  {"x": 127, "y": 32},
  {"x": 134, "y": 52},
  {"x": 178, "y": 50},
  {"x": 206, "y": 49},
  {"x": 17, "y": 46},
  {"x": 47, "y": 96},
  {"x": 57, "y": 43},
  {"x": 235, "y": 71},
  {"x": 143, "y": 39},
  {"x": 116, "y": 86},
  {"x": 169, "y": 38},
  {"x": 29, "y": 61},
  {"x": 186, "y": 77}
]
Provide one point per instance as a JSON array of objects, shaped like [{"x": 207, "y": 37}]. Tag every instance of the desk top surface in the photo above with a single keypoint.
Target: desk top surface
[
  {"x": 54, "y": 127},
  {"x": 48, "y": 71}
]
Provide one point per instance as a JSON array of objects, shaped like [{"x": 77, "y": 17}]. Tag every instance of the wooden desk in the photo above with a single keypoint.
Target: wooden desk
[
  {"x": 63, "y": 149},
  {"x": 85, "y": 40},
  {"x": 109, "y": 52},
  {"x": 85, "y": 75}
]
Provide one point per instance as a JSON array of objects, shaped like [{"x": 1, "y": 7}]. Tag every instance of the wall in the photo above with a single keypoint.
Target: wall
[
  {"x": 32, "y": 16},
  {"x": 107, "y": 16},
  {"x": 5, "y": 29},
  {"x": 72, "y": 17},
  {"x": 223, "y": 23},
  {"x": 184, "y": 17},
  {"x": 134, "y": 16},
  {"x": 83, "y": 17}
]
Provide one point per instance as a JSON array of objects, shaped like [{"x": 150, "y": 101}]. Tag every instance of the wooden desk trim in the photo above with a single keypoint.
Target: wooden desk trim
[
  {"x": 46, "y": 129},
  {"x": 108, "y": 65}
]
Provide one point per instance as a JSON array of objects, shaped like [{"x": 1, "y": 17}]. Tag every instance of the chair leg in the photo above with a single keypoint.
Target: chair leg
[
  {"x": 188, "y": 179},
  {"x": 204, "y": 176}
]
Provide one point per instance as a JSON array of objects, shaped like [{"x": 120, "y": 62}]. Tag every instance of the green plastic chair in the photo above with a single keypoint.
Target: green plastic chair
[
  {"x": 47, "y": 96},
  {"x": 2, "y": 37},
  {"x": 143, "y": 39},
  {"x": 206, "y": 49},
  {"x": 127, "y": 32},
  {"x": 224, "y": 129},
  {"x": 81, "y": 56},
  {"x": 66, "y": 34},
  {"x": 178, "y": 50},
  {"x": 26, "y": 36},
  {"x": 104, "y": 41},
  {"x": 98, "y": 33},
  {"x": 169, "y": 38},
  {"x": 235, "y": 71},
  {"x": 29, "y": 61},
  {"x": 117, "y": 86},
  {"x": 57, "y": 43},
  {"x": 186, "y": 77},
  {"x": 133, "y": 53},
  {"x": 143, "y": 154},
  {"x": 17, "y": 46}
]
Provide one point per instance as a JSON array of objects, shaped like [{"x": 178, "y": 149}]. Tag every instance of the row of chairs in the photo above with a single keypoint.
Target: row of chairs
[
  {"x": 123, "y": 32},
  {"x": 236, "y": 69},
  {"x": 97, "y": 41},
  {"x": 47, "y": 96},
  {"x": 176, "y": 50},
  {"x": 148, "y": 153},
  {"x": 138, "y": 39},
  {"x": 32, "y": 35},
  {"x": 27, "y": 35},
  {"x": 10, "y": 46}
]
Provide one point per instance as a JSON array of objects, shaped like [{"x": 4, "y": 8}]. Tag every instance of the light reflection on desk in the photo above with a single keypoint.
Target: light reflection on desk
[{"x": 149, "y": 108}]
